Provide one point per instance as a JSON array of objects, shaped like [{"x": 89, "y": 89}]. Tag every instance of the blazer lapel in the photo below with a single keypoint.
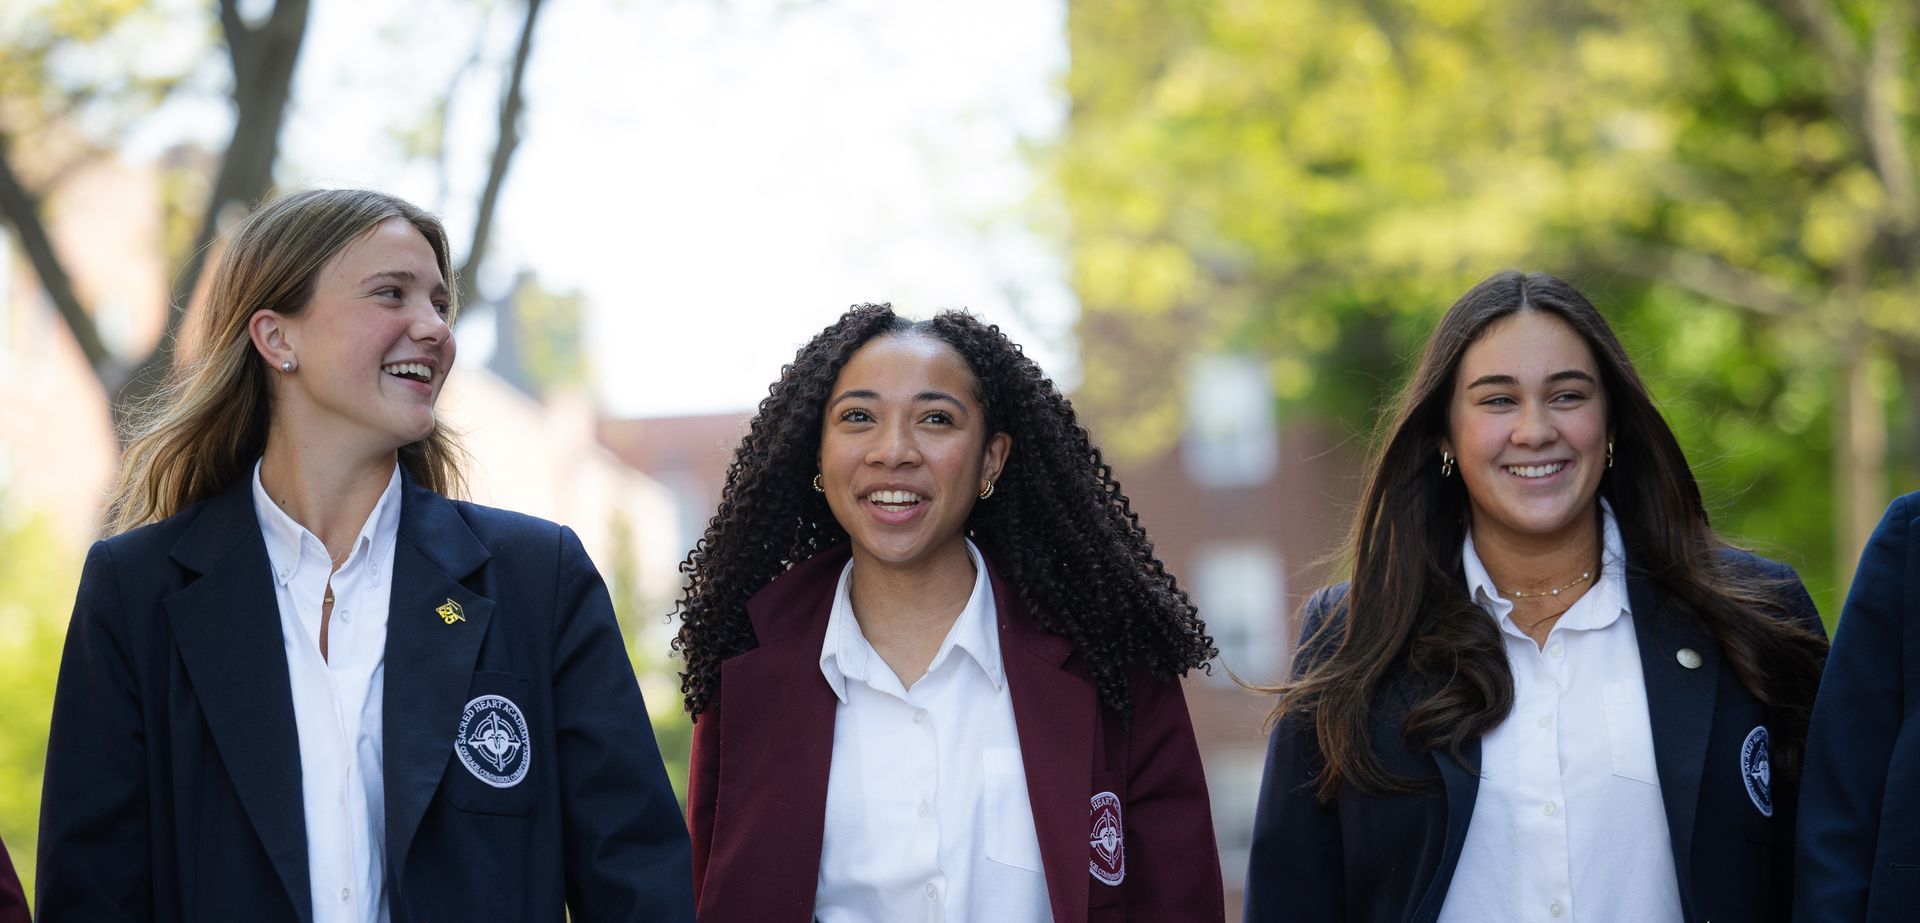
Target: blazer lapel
[
  {"x": 430, "y": 655},
  {"x": 1681, "y": 701},
  {"x": 226, "y": 625},
  {"x": 1462, "y": 786},
  {"x": 1055, "y": 713},
  {"x": 777, "y": 743}
]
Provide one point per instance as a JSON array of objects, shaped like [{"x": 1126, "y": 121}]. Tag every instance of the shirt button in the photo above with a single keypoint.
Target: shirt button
[
  {"x": 346, "y": 615},
  {"x": 921, "y": 810},
  {"x": 1554, "y": 650},
  {"x": 284, "y": 572},
  {"x": 1547, "y": 809},
  {"x": 920, "y": 715},
  {"x": 1544, "y": 721},
  {"x": 932, "y": 889},
  {"x": 1555, "y": 909},
  {"x": 346, "y": 894}
]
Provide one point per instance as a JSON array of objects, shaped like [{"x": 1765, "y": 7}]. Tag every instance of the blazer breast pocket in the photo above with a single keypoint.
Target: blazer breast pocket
[
  {"x": 495, "y": 767},
  {"x": 1106, "y": 844}
]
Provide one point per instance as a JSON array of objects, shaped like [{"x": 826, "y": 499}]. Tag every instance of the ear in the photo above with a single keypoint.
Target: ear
[
  {"x": 1446, "y": 445},
  {"x": 272, "y": 334},
  {"x": 994, "y": 457}
]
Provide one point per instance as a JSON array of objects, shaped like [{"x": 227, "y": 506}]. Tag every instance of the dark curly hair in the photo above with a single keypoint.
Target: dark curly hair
[{"x": 1058, "y": 525}]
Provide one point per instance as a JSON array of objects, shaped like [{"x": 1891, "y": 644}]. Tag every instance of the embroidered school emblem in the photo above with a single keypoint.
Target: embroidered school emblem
[
  {"x": 492, "y": 741},
  {"x": 450, "y": 612},
  {"x": 1107, "y": 840},
  {"x": 1756, "y": 767}
]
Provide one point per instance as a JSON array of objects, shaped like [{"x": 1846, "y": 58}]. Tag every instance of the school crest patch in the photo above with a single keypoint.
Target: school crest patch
[
  {"x": 1756, "y": 767},
  {"x": 493, "y": 742},
  {"x": 1107, "y": 839}
]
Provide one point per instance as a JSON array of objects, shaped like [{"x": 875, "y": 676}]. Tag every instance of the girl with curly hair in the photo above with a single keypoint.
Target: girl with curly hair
[
  {"x": 932, "y": 660},
  {"x": 1551, "y": 690}
]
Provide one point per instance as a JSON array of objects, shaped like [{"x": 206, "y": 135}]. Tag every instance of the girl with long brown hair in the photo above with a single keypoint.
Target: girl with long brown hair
[
  {"x": 301, "y": 682},
  {"x": 1550, "y": 690}
]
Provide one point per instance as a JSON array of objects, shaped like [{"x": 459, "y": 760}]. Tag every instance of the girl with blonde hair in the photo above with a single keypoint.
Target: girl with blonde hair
[{"x": 302, "y": 683}]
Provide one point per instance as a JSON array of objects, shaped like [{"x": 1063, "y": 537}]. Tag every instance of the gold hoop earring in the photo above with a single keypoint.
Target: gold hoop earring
[
  {"x": 1609, "y": 453},
  {"x": 987, "y": 489},
  {"x": 816, "y": 485},
  {"x": 1446, "y": 464}
]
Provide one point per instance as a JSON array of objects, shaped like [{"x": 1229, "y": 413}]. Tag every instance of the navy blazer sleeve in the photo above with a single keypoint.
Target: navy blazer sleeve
[
  {"x": 94, "y": 853},
  {"x": 1294, "y": 870},
  {"x": 626, "y": 848},
  {"x": 1857, "y": 720}
]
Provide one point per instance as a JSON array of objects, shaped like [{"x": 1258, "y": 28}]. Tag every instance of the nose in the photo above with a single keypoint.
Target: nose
[
  {"x": 895, "y": 446},
  {"x": 1535, "y": 427},
  {"x": 430, "y": 326}
]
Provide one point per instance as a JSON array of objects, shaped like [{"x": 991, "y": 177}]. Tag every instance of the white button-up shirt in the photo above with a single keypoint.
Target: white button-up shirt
[
  {"x": 337, "y": 699},
  {"x": 1569, "y": 823},
  {"x": 927, "y": 810}
]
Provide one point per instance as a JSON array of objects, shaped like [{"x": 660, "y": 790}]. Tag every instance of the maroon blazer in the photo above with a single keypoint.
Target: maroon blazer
[
  {"x": 13, "y": 901},
  {"x": 757, "y": 791}
]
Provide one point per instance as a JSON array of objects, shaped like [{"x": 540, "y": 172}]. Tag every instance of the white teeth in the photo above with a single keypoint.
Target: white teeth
[
  {"x": 893, "y": 497},
  {"x": 415, "y": 370},
  {"x": 1536, "y": 471}
]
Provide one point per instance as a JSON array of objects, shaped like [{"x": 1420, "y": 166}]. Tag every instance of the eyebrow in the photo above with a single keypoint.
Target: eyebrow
[
  {"x": 921, "y": 398},
  {"x": 402, "y": 275},
  {"x": 1510, "y": 381}
]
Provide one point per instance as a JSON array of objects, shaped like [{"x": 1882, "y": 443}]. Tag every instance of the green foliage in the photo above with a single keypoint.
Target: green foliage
[
  {"x": 659, "y": 678},
  {"x": 550, "y": 329},
  {"x": 37, "y": 575},
  {"x": 1315, "y": 181},
  {"x": 93, "y": 64}
]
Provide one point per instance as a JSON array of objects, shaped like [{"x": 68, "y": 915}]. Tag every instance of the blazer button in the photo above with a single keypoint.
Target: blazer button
[{"x": 1688, "y": 658}]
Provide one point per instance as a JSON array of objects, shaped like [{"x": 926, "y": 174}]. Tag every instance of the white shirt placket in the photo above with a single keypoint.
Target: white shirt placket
[{"x": 1548, "y": 682}]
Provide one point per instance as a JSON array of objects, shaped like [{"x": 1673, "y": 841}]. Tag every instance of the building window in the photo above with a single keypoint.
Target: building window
[
  {"x": 1230, "y": 438},
  {"x": 1233, "y": 785},
  {"x": 1241, "y": 590}
]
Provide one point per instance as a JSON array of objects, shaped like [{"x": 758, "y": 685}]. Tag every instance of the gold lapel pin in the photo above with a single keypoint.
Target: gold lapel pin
[{"x": 450, "y": 612}]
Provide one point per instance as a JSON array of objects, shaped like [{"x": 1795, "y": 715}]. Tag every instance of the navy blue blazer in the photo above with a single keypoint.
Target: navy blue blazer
[
  {"x": 1392, "y": 857},
  {"x": 1860, "y": 800},
  {"x": 173, "y": 767}
]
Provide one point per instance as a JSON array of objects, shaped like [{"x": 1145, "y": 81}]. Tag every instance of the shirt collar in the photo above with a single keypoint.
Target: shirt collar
[
  {"x": 1604, "y": 602},
  {"x": 286, "y": 538},
  {"x": 846, "y": 655}
]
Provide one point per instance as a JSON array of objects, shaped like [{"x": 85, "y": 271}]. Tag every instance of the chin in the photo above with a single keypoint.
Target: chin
[{"x": 894, "y": 552}]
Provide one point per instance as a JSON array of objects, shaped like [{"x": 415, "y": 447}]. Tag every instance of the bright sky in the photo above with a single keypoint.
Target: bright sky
[{"x": 720, "y": 178}]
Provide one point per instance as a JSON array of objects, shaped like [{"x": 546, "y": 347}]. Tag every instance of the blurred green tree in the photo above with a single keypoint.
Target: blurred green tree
[
  {"x": 1312, "y": 181},
  {"x": 80, "y": 62},
  {"x": 672, "y": 729},
  {"x": 36, "y": 580}
]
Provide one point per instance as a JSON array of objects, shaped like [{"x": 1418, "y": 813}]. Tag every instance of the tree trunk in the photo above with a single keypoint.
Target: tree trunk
[
  {"x": 511, "y": 103},
  {"x": 263, "y": 57},
  {"x": 1860, "y": 452}
]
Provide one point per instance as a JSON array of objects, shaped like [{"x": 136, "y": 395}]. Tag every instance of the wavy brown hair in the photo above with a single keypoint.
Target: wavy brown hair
[
  {"x": 208, "y": 423},
  {"x": 1407, "y": 616},
  {"x": 1058, "y": 525}
]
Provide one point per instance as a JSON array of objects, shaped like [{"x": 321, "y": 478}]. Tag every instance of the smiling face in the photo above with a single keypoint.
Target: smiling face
[
  {"x": 903, "y": 450},
  {"x": 1528, "y": 427},
  {"x": 372, "y": 347}
]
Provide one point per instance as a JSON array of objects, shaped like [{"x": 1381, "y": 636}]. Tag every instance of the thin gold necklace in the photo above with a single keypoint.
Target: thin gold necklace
[{"x": 1515, "y": 594}]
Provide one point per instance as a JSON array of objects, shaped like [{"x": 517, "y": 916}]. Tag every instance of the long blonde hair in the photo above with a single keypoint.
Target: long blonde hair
[{"x": 208, "y": 424}]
